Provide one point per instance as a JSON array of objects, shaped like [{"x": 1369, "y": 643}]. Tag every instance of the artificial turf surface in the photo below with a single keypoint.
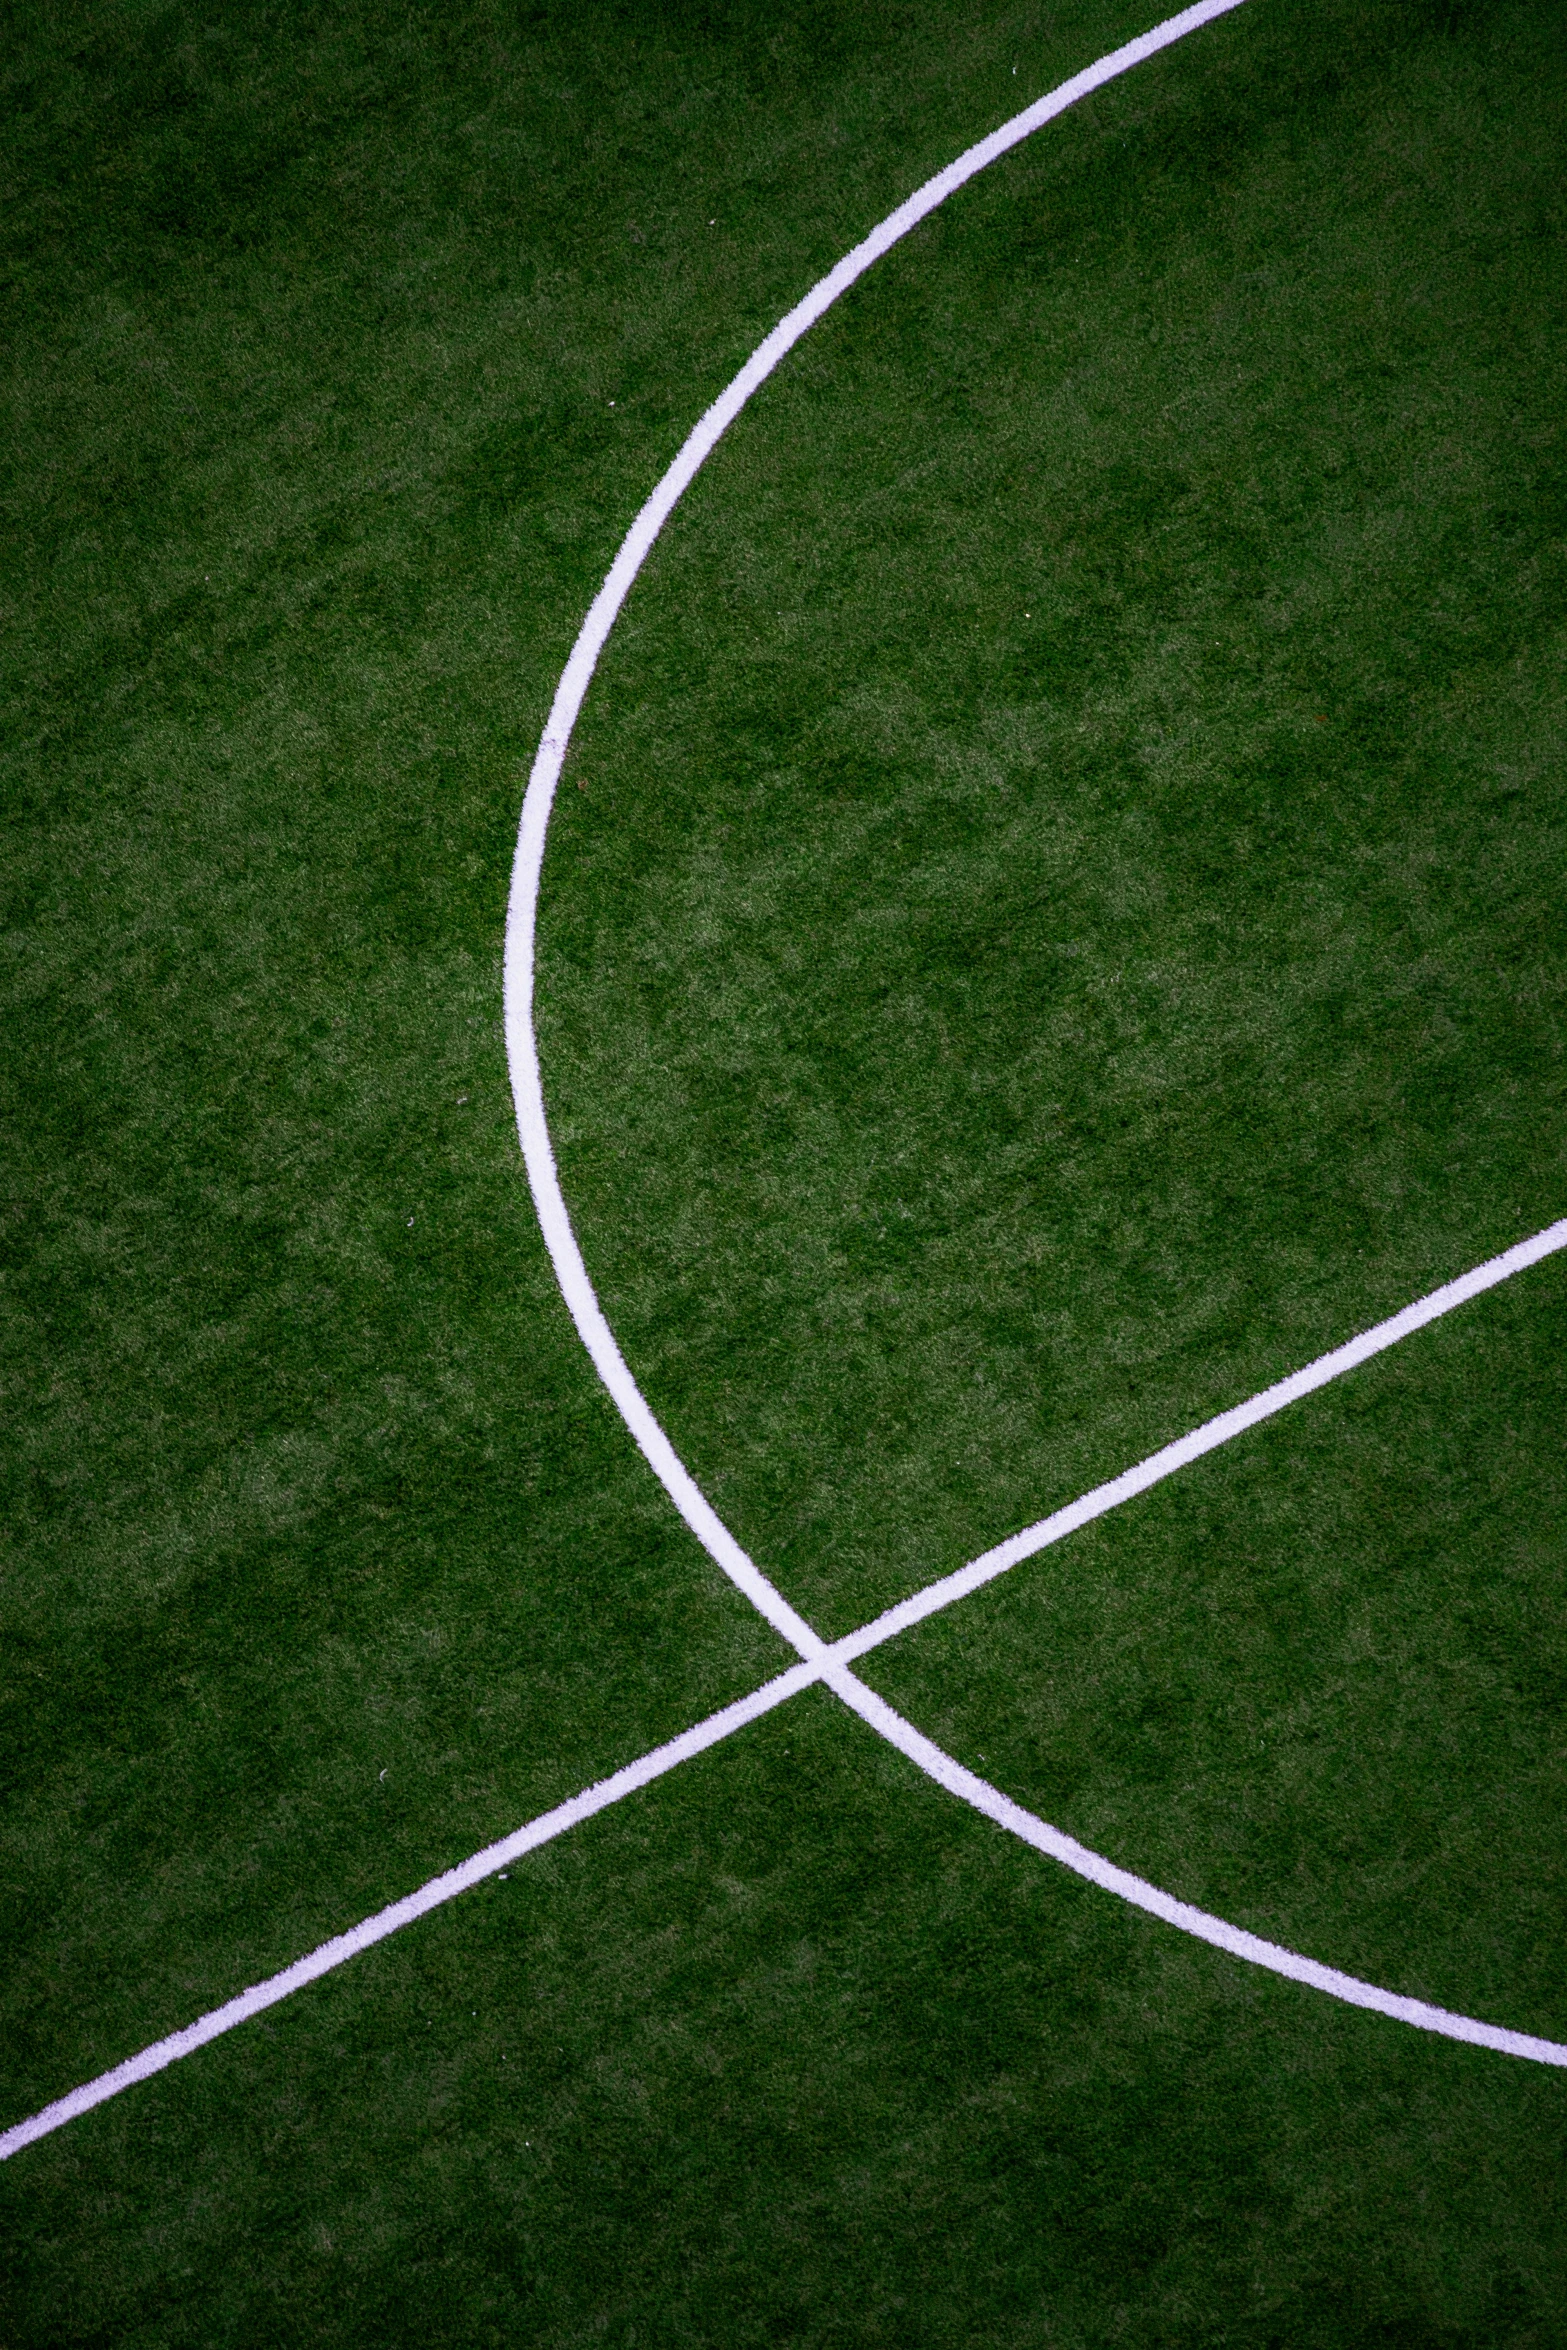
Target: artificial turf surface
[{"x": 1059, "y": 924}]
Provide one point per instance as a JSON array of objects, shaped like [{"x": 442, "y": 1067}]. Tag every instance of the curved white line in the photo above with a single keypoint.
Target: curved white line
[
  {"x": 998, "y": 1807},
  {"x": 521, "y": 913},
  {"x": 577, "y": 1287}
]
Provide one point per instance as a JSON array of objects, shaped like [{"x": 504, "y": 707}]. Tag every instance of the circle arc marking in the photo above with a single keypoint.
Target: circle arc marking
[{"x": 543, "y": 1175}]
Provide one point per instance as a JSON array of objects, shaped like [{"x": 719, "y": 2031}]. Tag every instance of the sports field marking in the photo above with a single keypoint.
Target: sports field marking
[
  {"x": 950, "y": 1774},
  {"x": 829, "y": 1663},
  {"x": 527, "y": 865},
  {"x": 571, "y": 1271},
  {"x": 446, "y": 1887},
  {"x": 821, "y": 1661}
]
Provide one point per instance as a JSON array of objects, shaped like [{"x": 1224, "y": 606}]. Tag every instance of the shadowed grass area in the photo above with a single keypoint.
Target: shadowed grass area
[{"x": 1060, "y": 924}]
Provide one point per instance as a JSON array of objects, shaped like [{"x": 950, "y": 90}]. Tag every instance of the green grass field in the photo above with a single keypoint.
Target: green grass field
[{"x": 1054, "y": 918}]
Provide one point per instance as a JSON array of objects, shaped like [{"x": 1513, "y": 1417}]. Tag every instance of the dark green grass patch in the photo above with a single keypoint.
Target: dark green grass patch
[{"x": 1059, "y": 926}]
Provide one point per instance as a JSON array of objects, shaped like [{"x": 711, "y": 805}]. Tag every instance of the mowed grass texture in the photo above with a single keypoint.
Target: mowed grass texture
[{"x": 1060, "y": 926}]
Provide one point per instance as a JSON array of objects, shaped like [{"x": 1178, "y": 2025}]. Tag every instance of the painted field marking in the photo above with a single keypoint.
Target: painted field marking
[
  {"x": 1211, "y": 1434},
  {"x": 821, "y": 1661},
  {"x": 1233, "y": 1939},
  {"x": 829, "y": 1663},
  {"x": 544, "y": 778},
  {"x": 342, "y": 1947},
  {"x": 572, "y": 1273}
]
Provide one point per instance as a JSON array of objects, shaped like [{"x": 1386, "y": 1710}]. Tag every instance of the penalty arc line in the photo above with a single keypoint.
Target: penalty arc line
[
  {"x": 830, "y": 1665},
  {"x": 1234, "y": 1940}
]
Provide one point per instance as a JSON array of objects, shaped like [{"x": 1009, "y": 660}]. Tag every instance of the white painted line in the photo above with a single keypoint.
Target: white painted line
[
  {"x": 1212, "y": 1433},
  {"x": 572, "y": 1273},
  {"x": 522, "y": 911},
  {"x": 1234, "y": 1939},
  {"x": 440, "y": 1889},
  {"x": 829, "y": 1665}
]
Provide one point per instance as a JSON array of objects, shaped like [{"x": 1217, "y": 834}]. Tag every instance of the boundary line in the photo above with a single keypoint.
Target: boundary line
[{"x": 830, "y": 1663}]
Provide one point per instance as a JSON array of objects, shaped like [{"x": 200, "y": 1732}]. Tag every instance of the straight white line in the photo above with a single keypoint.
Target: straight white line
[
  {"x": 371, "y": 1930},
  {"x": 1235, "y": 1940},
  {"x": 830, "y": 1665},
  {"x": 521, "y": 915},
  {"x": 1212, "y": 1433}
]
